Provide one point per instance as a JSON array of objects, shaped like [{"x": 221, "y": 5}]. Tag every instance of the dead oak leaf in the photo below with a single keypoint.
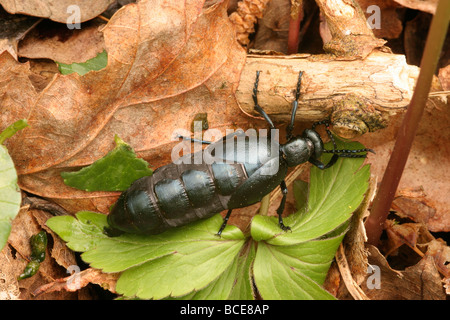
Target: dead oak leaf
[
  {"x": 166, "y": 63},
  {"x": 12, "y": 29},
  {"x": 51, "y": 40},
  {"x": 57, "y": 10}
]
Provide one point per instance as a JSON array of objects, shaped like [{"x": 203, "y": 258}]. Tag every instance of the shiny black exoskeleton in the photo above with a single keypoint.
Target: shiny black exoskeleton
[{"x": 177, "y": 194}]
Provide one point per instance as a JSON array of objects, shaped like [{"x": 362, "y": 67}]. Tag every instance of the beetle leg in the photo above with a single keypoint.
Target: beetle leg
[
  {"x": 225, "y": 221},
  {"x": 322, "y": 166},
  {"x": 327, "y": 129},
  {"x": 290, "y": 127},
  {"x": 325, "y": 122},
  {"x": 337, "y": 155},
  {"x": 352, "y": 155},
  {"x": 280, "y": 209}
]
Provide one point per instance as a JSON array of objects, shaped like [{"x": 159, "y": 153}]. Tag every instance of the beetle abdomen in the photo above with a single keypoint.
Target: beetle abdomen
[
  {"x": 175, "y": 195},
  {"x": 199, "y": 186},
  {"x": 136, "y": 211}
]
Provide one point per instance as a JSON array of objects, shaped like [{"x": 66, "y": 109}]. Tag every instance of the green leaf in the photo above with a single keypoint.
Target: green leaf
[
  {"x": 301, "y": 190},
  {"x": 296, "y": 271},
  {"x": 97, "y": 63},
  {"x": 114, "y": 172},
  {"x": 10, "y": 197},
  {"x": 83, "y": 233},
  {"x": 235, "y": 283},
  {"x": 294, "y": 264},
  {"x": 173, "y": 263},
  {"x": 334, "y": 194}
]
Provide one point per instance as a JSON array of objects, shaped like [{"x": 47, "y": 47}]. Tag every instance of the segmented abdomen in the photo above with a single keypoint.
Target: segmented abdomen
[{"x": 175, "y": 195}]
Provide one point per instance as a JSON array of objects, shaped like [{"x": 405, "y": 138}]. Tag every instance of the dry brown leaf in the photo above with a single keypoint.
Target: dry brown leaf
[
  {"x": 415, "y": 207},
  {"x": 427, "y": 163},
  {"x": 346, "y": 274},
  {"x": 15, "y": 256},
  {"x": 42, "y": 72},
  {"x": 422, "y": 5},
  {"x": 440, "y": 251},
  {"x": 273, "y": 27},
  {"x": 9, "y": 287},
  {"x": 400, "y": 234},
  {"x": 12, "y": 29},
  {"x": 54, "y": 41},
  {"x": 165, "y": 64},
  {"x": 79, "y": 280},
  {"x": 418, "y": 282},
  {"x": 56, "y": 10},
  {"x": 390, "y": 25},
  {"x": 245, "y": 18}
]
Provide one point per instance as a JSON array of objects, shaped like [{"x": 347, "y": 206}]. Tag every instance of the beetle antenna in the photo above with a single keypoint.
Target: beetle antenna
[
  {"x": 345, "y": 152},
  {"x": 327, "y": 129}
]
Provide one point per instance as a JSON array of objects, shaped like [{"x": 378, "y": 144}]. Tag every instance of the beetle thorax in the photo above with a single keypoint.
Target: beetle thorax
[{"x": 297, "y": 150}]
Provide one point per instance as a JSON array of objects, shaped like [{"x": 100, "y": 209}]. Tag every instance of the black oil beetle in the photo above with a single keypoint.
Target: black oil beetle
[{"x": 177, "y": 194}]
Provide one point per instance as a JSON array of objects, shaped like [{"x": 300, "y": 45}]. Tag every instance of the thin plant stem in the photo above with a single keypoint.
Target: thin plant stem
[
  {"x": 386, "y": 192},
  {"x": 264, "y": 208},
  {"x": 293, "y": 36}
]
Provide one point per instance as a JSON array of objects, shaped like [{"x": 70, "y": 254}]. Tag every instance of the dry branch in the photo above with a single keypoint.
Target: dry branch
[
  {"x": 359, "y": 95},
  {"x": 351, "y": 36}
]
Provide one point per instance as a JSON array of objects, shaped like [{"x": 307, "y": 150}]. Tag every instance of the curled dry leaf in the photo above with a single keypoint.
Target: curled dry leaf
[
  {"x": 12, "y": 29},
  {"x": 421, "y": 281},
  {"x": 347, "y": 277},
  {"x": 440, "y": 252},
  {"x": 15, "y": 256},
  {"x": 165, "y": 65},
  {"x": 50, "y": 40},
  {"x": 400, "y": 234},
  {"x": 79, "y": 280},
  {"x": 415, "y": 206},
  {"x": 57, "y": 10},
  {"x": 422, "y": 5}
]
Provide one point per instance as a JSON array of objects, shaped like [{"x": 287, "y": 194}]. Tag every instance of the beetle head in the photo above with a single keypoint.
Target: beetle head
[{"x": 300, "y": 149}]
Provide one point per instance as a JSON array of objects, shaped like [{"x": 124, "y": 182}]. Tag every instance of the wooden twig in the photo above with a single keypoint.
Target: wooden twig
[
  {"x": 359, "y": 96},
  {"x": 351, "y": 36}
]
